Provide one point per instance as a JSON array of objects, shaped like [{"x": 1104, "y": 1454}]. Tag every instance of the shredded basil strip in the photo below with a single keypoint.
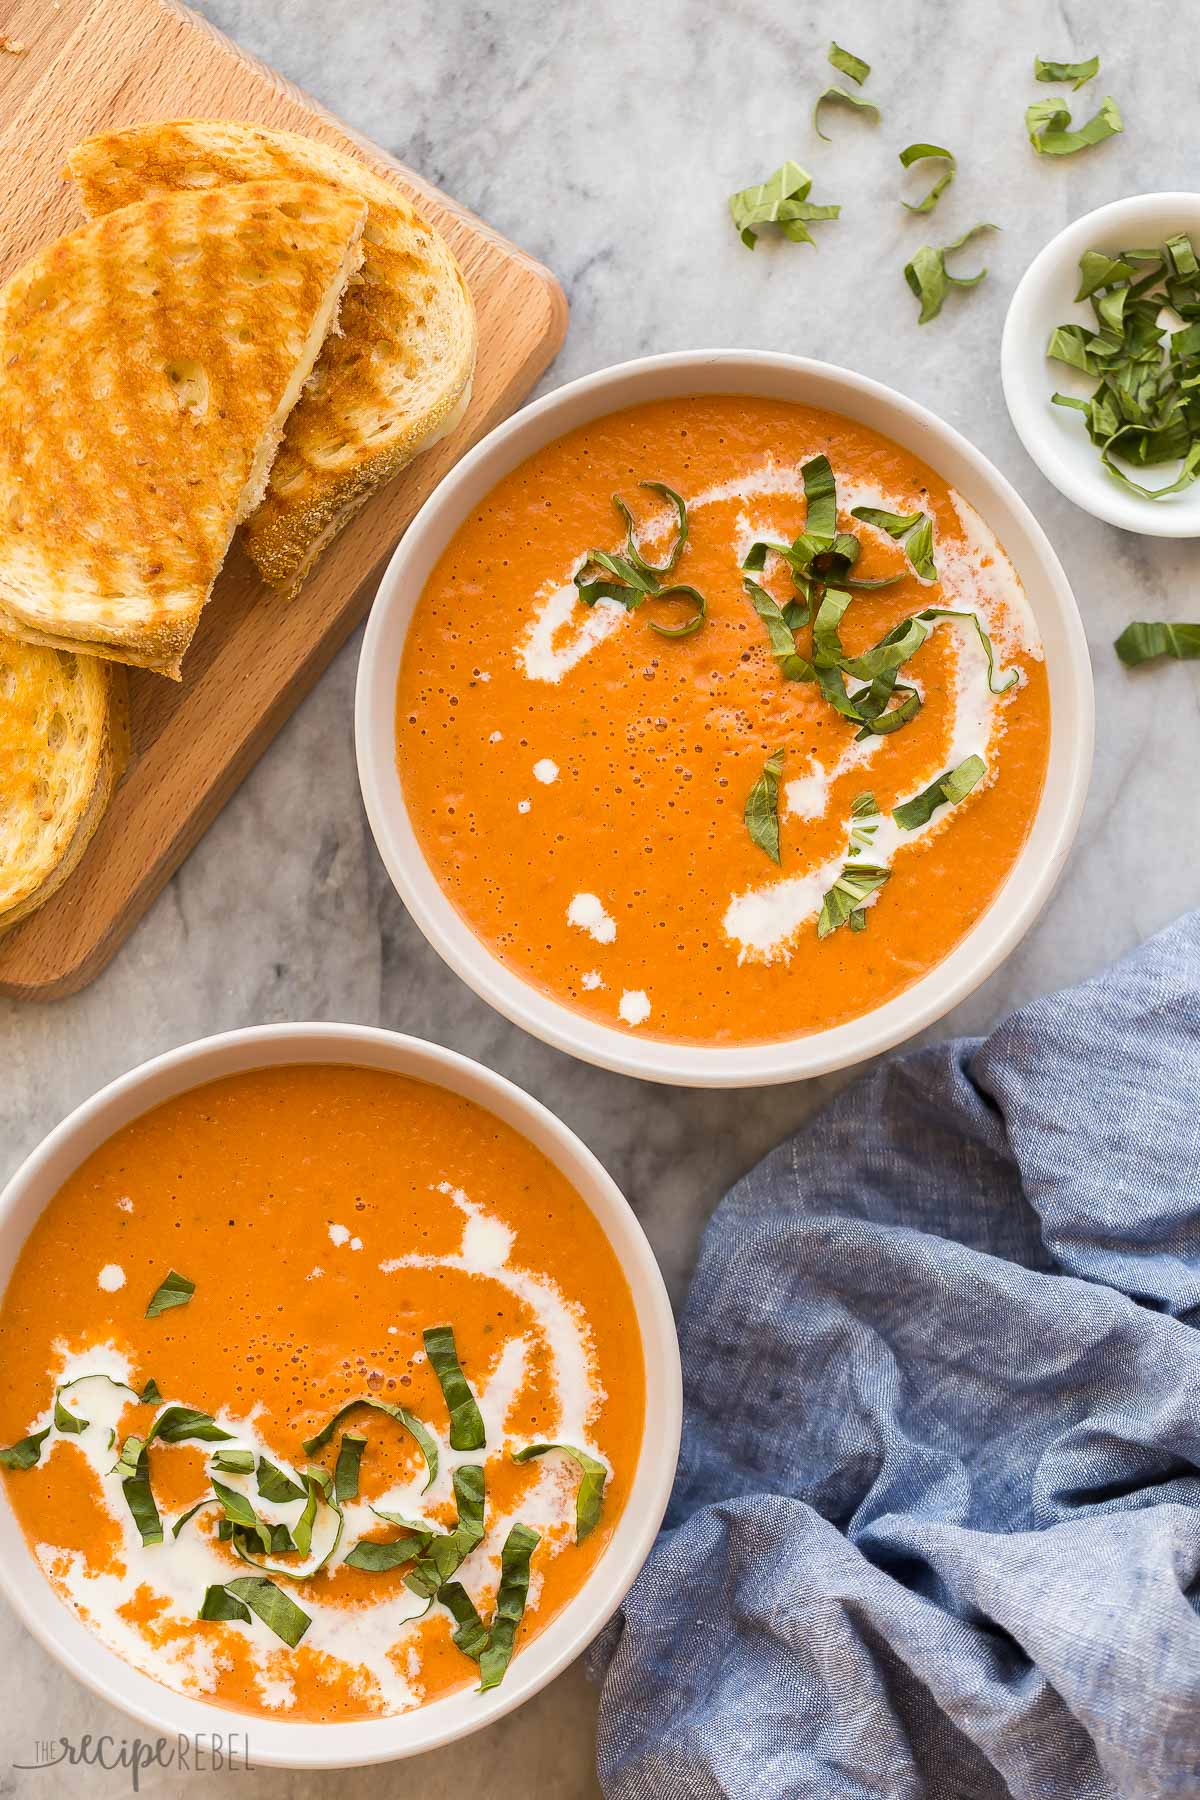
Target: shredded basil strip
[
  {"x": 844, "y": 900},
  {"x": 74, "y": 1423},
  {"x": 862, "y": 806},
  {"x": 241, "y": 1514},
  {"x": 233, "y": 1462},
  {"x": 947, "y": 790},
  {"x": 470, "y": 1633},
  {"x": 177, "y": 1424},
  {"x": 1077, "y": 72},
  {"x": 930, "y": 279},
  {"x": 762, "y": 807},
  {"x": 446, "y": 1550},
  {"x": 1145, "y": 640},
  {"x": 274, "y": 1485},
  {"x": 466, "y": 1420},
  {"x": 847, "y": 63},
  {"x": 379, "y": 1558},
  {"x": 133, "y": 1466},
  {"x": 1048, "y": 124},
  {"x": 248, "y": 1594},
  {"x": 349, "y": 1461},
  {"x": 190, "y": 1514},
  {"x": 590, "y": 1495},
  {"x": 26, "y": 1452},
  {"x": 782, "y": 201},
  {"x": 914, "y": 529},
  {"x": 780, "y": 633},
  {"x": 410, "y": 1422},
  {"x": 319, "y": 1486},
  {"x": 842, "y": 98},
  {"x": 519, "y": 1546},
  {"x": 176, "y": 1290},
  {"x": 655, "y": 570},
  {"x": 635, "y": 580},
  {"x": 914, "y": 153}
]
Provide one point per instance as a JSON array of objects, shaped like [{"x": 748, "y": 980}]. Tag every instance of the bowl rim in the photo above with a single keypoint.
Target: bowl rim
[
  {"x": 999, "y": 928},
  {"x": 1087, "y": 485},
  {"x": 307, "y": 1745}
]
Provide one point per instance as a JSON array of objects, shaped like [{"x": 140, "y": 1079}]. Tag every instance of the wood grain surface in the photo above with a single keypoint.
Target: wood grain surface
[{"x": 90, "y": 65}]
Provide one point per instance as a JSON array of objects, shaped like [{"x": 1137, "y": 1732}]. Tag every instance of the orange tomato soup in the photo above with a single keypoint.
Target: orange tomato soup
[
  {"x": 326, "y": 1216},
  {"x": 579, "y": 782}
]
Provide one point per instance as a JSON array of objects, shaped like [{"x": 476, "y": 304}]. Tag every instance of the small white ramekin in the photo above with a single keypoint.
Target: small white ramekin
[
  {"x": 782, "y": 378},
  {"x": 1055, "y": 436},
  {"x": 276, "y": 1741}
]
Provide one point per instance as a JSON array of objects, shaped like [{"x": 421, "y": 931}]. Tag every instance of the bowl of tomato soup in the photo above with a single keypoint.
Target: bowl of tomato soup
[
  {"x": 341, "y": 1399},
  {"x": 724, "y": 718}
]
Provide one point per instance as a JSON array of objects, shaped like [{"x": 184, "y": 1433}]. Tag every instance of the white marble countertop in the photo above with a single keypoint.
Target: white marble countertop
[{"x": 603, "y": 136}]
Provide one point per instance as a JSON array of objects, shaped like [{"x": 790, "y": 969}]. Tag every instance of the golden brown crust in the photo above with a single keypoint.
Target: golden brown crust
[
  {"x": 64, "y": 743},
  {"x": 389, "y": 383},
  {"x": 147, "y": 365}
]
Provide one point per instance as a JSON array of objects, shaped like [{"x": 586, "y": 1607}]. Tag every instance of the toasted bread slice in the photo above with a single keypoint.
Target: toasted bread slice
[
  {"x": 63, "y": 744},
  {"x": 148, "y": 363},
  {"x": 398, "y": 376}
]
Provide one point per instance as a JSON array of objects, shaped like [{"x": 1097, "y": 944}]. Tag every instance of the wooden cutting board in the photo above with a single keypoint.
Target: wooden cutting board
[{"x": 87, "y": 66}]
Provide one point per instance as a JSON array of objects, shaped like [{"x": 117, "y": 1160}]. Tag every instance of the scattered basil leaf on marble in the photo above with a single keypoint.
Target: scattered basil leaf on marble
[
  {"x": 26, "y": 1452},
  {"x": 1145, "y": 640},
  {"x": 947, "y": 790},
  {"x": 856, "y": 883},
  {"x": 589, "y": 1497},
  {"x": 176, "y": 1290},
  {"x": 847, "y": 63},
  {"x": 466, "y": 1421},
  {"x": 914, "y": 153},
  {"x": 841, "y": 97},
  {"x": 274, "y": 1485},
  {"x": 762, "y": 807},
  {"x": 781, "y": 201},
  {"x": 349, "y": 1460},
  {"x": 930, "y": 279},
  {"x": 246, "y": 1594},
  {"x": 410, "y": 1422},
  {"x": 1048, "y": 124},
  {"x": 1076, "y": 72},
  {"x": 515, "y": 1556}
]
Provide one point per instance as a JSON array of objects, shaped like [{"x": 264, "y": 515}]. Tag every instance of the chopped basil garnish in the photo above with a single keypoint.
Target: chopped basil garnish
[
  {"x": 781, "y": 631},
  {"x": 445, "y": 1551},
  {"x": 409, "y": 1421},
  {"x": 237, "y": 1599},
  {"x": 496, "y": 1655},
  {"x": 177, "y": 1424},
  {"x": 319, "y": 1486},
  {"x": 274, "y": 1485},
  {"x": 916, "y": 531},
  {"x": 848, "y": 64},
  {"x": 466, "y": 1421},
  {"x": 863, "y": 806},
  {"x": 1147, "y": 639},
  {"x": 133, "y": 1466},
  {"x": 349, "y": 1459},
  {"x": 930, "y": 279},
  {"x": 176, "y": 1290},
  {"x": 470, "y": 1632},
  {"x": 634, "y": 579},
  {"x": 842, "y": 98},
  {"x": 844, "y": 900},
  {"x": 590, "y": 1495},
  {"x": 190, "y": 1514},
  {"x": 1076, "y": 72},
  {"x": 762, "y": 807},
  {"x": 1146, "y": 408},
  {"x": 782, "y": 200},
  {"x": 25, "y": 1453},
  {"x": 914, "y": 153},
  {"x": 1048, "y": 123},
  {"x": 242, "y": 1516},
  {"x": 378, "y": 1558},
  {"x": 233, "y": 1462},
  {"x": 947, "y": 790}
]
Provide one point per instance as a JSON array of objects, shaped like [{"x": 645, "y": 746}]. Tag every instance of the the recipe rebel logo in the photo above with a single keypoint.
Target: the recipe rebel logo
[{"x": 208, "y": 1753}]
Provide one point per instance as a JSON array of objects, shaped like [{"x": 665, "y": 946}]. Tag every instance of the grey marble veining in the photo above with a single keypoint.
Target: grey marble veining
[{"x": 604, "y": 135}]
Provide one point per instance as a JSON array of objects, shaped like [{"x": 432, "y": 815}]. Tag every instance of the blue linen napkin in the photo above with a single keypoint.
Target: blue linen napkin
[{"x": 936, "y": 1530}]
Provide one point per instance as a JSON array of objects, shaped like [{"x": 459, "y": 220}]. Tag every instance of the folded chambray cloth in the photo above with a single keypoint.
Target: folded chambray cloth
[{"x": 936, "y": 1530}]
